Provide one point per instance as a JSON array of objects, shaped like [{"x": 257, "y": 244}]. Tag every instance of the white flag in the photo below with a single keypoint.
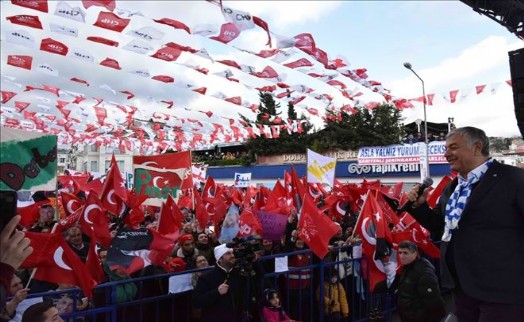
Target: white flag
[
  {"x": 147, "y": 33},
  {"x": 283, "y": 55},
  {"x": 141, "y": 72},
  {"x": 81, "y": 54},
  {"x": 63, "y": 9},
  {"x": 138, "y": 46},
  {"x": 241, "y": 19},
  {"x": 205, "y": 30},
  {"x": 64, "y": 30},
  {"x": 47, "y": 69},
  {"x": 320, "y": 169},
  {"x": 20, "y": 37},
  {"x": 242, "y": 180},
  {"x": 203, "y": 53}
]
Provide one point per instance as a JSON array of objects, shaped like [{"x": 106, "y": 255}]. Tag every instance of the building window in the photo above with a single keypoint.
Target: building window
[
  {"x": 61, "y": 160},
  {"x": 93, "y": 148},
  {"x": 94, "y": 166}
]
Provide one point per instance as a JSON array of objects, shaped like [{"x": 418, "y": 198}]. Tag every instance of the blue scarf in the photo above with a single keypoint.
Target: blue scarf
[{"x": 458, "y": 200}]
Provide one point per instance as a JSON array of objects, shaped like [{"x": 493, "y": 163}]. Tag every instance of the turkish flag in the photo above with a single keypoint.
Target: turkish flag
[
  {"x": 228, "y": 32},
  {"x": 170, "y": 219},
  {"x": 94, "y": 219},
  {"x": 53, "y": 46},
  {"x": 173, "y": 23},
  {"x": 435, "y": 194},
  {"x": 167, "y": 54},
  {"x": 70, "y": 202},
  {"x": 114, "y": 186},
  {"x": 111, "y": 63},
  {"x": 20, "y": 61},
  {"x": 316, "y": 229},
  {"x": 104, "y": 41},
  {"x": 93, "y": 263},
  {"x": 40, "y": 5},
  {"x": 108, "y": 4},
  {"x": 201, "y": 213},
  {"x": 373, "y": 230},
  {"x": 56, "y": 262},
  {"x": 7, "y": 96},
  {"x": 248, "y": 224},
  {"x": 109, "y": 20},
  {"x": 26, "y": 20}
]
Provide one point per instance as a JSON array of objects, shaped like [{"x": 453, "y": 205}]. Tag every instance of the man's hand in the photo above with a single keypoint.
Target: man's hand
[
  {"x": 223, "y": 288},
  {"x": 14, "y": 248},
  {"x": 412, "y": 195}
]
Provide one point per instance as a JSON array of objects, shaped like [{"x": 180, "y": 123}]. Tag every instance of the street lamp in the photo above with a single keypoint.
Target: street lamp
[{"x": 426, "y": 161}]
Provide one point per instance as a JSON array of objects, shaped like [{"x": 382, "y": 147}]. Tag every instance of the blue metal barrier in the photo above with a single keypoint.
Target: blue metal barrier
[{"x": 153, "y": 301}]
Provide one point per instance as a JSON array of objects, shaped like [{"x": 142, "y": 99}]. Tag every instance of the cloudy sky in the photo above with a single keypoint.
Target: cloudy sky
[{"x": 449, "y": 45}]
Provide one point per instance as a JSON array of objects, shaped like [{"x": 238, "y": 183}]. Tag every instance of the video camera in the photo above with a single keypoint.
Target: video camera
[{"x": 244, "y": 250}]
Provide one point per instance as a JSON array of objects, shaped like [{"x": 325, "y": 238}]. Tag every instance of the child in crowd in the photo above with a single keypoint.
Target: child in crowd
[
  {"x": 272, "y": 311},
  {"x": 336, "y": 307}
]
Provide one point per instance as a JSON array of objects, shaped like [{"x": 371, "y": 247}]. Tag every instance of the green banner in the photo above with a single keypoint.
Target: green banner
[{"x": 27, "y": 160}]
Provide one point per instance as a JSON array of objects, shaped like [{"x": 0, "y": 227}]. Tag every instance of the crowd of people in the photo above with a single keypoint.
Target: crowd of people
[{"x": 486, "y": 198}]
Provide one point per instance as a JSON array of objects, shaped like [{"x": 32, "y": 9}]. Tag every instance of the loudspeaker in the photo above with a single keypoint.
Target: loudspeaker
[{"x": 516, "y": 65}]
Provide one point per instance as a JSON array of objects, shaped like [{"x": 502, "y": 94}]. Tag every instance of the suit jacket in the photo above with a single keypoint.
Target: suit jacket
[{"x": 488, "y": 246}]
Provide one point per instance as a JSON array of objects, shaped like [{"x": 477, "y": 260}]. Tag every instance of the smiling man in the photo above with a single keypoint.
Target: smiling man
[{"x": 480, "y": 217}]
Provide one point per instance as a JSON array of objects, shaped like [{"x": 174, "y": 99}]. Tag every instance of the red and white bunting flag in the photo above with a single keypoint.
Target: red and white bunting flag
[
  {"x": 82, "y": 54},
  {"x": 111, "y": 63},
  {"x": 138, "y": 46},
  {"x": 20, "y": 37},
  {"x": 453, "y": 95},
  {"x": 108, "y": 4},
  {"x": 241, "y": 19},
  {"x": 21, "y": 106},
  {"x": 26, "y": 20},
  {"x": 40, "y": 5},
  {"x": 63, "y": 9},
  {"x": 228, "y": 32},
  {"x": 164, "y": 78},
  {"x": 147, "y": 33},
  {"x": 167, "y": 54},
  {"x": 7, "y": 96},
  {"x": 109, "y": 20},
  {"x": 103, "y": 40},
  {"x": 173, "y": 23},
  {"x": 47, "y": 69},
  {"x": 20, "y": 61},
  {"x": 64, "y": 30},
  {"x": 53, "y": 46}
]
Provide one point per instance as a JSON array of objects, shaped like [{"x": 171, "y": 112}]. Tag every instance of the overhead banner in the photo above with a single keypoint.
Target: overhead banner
[
  {"x": 401, "y": 154},
  {"x": 242, "y": 180},
  {"x": 158, "y": 176},
  {"x": 27, "y": 160}
]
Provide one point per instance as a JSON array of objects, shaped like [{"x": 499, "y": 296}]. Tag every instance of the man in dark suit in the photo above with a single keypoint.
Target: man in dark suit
[{"x": 480, "y": 217}]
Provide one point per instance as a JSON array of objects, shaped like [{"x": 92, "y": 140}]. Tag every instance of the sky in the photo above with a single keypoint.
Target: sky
[{"x": 448, "y": 44}]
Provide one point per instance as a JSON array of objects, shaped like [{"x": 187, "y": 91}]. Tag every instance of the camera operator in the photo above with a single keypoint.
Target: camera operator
[{"x": 221, "y": 292}]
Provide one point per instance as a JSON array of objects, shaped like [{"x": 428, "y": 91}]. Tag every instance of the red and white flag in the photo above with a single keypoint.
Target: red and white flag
[
  {"x": 20, "y": 61},
  {"x": 316, "y": 229},
  {"x": 109, "y": 20}
]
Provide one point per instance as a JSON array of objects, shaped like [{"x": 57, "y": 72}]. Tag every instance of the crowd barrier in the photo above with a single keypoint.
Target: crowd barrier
[{"x": 157, "y": 301}]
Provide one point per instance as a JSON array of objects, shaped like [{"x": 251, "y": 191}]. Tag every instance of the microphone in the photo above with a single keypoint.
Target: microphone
[{"x": 426, "y": 183}]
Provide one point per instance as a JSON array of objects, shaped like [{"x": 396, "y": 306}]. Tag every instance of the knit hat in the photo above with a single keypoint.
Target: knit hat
[
  {"x": 220, "y": 250},
  {"x": 185, "y": 238}
]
